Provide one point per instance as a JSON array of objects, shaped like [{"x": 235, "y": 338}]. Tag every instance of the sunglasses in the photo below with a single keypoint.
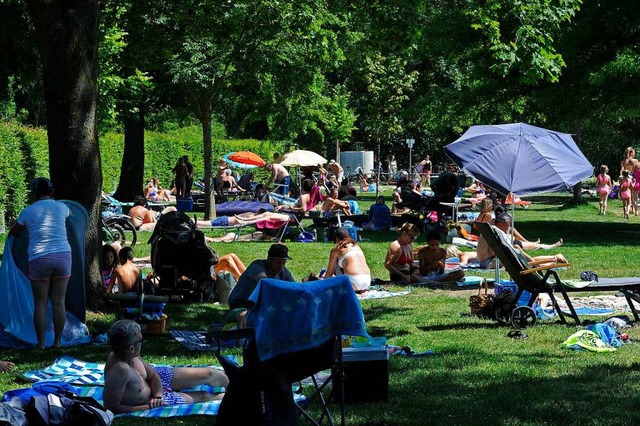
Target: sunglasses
[{"x": 413, "y": 237}]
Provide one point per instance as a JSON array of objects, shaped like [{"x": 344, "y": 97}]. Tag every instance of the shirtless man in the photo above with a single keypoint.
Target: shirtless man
[
  {"x": 432, "y": 258},
  {"x": 131, "y": 384},
  {"x": 337, "y": 170},
  {"x": 144, "y": 219},
  {"x": 126, "y": 277},
  {"x": 280, "y": 176},
  {"x": 332, "y": 204}
]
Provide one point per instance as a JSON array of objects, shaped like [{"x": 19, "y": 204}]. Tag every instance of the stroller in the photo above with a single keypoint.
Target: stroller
[
  {"x": 445, "y": 189},
  {"x": 181, "y": 259}
]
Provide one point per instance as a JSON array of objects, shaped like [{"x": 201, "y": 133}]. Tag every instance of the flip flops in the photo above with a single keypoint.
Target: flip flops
[{"x": 517, "y": 334}]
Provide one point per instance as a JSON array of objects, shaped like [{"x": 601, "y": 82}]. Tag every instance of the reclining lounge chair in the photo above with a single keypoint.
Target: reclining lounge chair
[{"x": 531, "y": 277}]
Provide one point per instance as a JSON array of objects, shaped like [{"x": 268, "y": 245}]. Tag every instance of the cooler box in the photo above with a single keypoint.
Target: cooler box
[
  {"x": 184, "y": 204},
  {"x": 366, "y": 372},
  {"x": 510, "y": 285}
]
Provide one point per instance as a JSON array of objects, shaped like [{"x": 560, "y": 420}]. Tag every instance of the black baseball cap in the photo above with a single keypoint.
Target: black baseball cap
[{"x": 279, "y": 251}]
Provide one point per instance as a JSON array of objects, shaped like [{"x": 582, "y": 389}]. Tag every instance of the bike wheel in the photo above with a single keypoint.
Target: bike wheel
[{"x": 124, "y": 233}]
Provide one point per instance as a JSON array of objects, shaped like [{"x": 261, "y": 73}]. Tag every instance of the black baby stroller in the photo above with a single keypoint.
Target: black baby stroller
[{"x": 181, "y": 259}]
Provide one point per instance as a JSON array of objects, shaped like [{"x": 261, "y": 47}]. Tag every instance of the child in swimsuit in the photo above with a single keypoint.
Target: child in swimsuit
[
  {"x": 626, "y": 183},
  {"x": 603, "y": 183}
]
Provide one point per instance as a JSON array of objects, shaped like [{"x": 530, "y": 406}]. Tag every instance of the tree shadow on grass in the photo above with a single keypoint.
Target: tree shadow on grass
[{"x": 517, "y": 395}]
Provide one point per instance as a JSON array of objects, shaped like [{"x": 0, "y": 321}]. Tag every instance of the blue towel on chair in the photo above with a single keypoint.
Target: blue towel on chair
[{"x": 291, "y": 317}]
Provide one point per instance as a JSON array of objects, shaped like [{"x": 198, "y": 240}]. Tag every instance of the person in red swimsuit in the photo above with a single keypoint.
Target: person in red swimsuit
[{"x": 399, "y": 260}]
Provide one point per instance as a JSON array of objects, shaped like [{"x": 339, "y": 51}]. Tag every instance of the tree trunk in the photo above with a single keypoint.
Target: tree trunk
[
  {"x": 132, "y": 169},
  {"x": 67, "y": 35},
  {"x": 209, "y": 194}
]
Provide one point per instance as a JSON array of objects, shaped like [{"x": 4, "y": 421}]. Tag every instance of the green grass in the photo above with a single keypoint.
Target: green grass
[{"x": 478, "y": 375}]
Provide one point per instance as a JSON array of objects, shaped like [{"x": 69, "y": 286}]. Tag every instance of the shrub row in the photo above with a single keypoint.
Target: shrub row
[{"x": 24, "y": 155}]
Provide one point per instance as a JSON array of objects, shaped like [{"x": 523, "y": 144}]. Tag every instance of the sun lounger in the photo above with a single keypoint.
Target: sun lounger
[{"x": 538, "y": 279}]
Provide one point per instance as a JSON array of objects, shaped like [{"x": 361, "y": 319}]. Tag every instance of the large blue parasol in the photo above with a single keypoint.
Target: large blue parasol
[{"x": 520, "y": 158}]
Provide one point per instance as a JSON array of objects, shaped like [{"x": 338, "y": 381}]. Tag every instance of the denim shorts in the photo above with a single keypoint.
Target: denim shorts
[{"x": 50, "y": 266}]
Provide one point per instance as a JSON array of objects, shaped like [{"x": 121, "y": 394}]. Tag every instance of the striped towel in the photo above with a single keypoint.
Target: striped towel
[{"x": 77, "y": 372}]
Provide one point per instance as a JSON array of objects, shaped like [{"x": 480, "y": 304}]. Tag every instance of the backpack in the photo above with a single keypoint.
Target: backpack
[{"x": 67, "y": 409}]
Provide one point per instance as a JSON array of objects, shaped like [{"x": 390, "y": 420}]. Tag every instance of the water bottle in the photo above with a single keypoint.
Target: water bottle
[
  {"x": 315, "y": 234},
  {"x": 325, "y": 236},
  {"x": 321, "y": 274}
]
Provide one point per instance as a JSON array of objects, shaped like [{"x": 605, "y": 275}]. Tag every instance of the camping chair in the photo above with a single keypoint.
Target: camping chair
[
  {"x": 294, "y": 331},
  {"x": 528, "y": 276},
  {"x": 533, "y": 279}
]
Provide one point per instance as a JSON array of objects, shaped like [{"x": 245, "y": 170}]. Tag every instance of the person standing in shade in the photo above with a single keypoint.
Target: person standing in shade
[
  {"x": 180, "y": 170},
  {"x": 49, "y": 257},
  {"x": 189, "y": 177}
]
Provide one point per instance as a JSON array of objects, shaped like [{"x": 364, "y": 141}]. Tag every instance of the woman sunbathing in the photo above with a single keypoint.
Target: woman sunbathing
[
  {"x": 243, "y": 219},
  {"x": 347, "y": 258},
  {"x": 522, "y": 241},
  {"x": 302, "y": 202}
]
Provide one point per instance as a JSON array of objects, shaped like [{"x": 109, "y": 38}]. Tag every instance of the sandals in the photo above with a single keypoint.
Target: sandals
[{"x": 517, "y": 334}]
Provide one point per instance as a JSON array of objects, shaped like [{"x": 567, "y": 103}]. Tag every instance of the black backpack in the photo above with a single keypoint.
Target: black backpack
[{"x": 67, "y": 409}]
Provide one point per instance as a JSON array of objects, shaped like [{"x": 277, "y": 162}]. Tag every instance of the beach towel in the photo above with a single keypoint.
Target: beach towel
[
  {"x": 197, "y": 341},
  {"x": 381, "y": 294},
  {"x": 78, "y": 372},
  {"x": 280, "y": 314}
]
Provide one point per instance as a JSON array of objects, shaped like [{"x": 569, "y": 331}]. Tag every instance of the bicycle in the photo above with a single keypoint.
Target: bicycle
[{"x": 117, "y": 228}]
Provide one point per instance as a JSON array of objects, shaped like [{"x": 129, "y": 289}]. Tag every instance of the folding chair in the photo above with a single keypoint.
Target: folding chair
[
  {"x": 294, "y": 331},
  {"x": 543, "y": 279}
]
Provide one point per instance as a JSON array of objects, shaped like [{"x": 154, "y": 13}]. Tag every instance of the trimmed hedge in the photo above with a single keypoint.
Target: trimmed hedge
[{"x": 24, "y": 155}]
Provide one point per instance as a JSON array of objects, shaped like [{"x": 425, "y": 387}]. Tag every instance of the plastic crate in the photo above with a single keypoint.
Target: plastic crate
[{"x": 510, "y": 285}]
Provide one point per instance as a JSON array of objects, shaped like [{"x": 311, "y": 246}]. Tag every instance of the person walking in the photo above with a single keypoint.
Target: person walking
[{"x": 49, "y": 257}]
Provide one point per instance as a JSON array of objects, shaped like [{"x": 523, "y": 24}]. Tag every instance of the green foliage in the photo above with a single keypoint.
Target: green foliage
[{"x": 12, "y": 177}]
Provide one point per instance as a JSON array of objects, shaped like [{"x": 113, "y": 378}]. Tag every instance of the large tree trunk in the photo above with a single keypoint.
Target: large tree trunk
[
  {"x": 68, "y": 42},
  {"x": 209, "y": 194},
  {"x": 132, "y": 169}
]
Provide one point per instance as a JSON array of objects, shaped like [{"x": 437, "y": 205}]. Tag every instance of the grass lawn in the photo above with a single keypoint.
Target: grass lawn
[{"x": 478, "y": 375}]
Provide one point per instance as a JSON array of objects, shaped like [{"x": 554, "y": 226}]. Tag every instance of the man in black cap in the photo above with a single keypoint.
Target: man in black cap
[{"x": 271, "y": 267}]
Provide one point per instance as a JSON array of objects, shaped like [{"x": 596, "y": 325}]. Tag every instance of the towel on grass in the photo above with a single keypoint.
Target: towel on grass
[
  {"x": 197, "y": 341},
  {"x": 381, "y": 294},
  {"x": 77, "y": 372}
]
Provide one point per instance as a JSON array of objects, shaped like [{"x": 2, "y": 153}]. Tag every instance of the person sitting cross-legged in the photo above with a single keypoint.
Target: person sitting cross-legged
[{"x": 131, "y": 384}]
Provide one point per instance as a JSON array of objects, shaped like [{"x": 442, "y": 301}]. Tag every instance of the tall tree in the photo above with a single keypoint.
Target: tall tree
[{"x": 67, "y": 34}]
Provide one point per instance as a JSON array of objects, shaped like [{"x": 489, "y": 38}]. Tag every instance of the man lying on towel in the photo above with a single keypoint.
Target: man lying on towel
[
  {"x": 432, "y": 258},
  {"x": 131, "y": 384}
]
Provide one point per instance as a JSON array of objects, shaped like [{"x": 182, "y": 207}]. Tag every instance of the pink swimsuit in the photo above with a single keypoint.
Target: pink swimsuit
[
  {"x": 603, "y": 188},
  {"x": 625, "y": 189}
]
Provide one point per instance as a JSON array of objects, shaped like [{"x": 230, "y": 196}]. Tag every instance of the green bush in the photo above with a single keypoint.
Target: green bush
[{"x": 24, "y": 155}]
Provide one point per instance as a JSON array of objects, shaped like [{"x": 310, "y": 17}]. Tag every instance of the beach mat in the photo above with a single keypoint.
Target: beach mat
[{"x": 198, "y": 341}]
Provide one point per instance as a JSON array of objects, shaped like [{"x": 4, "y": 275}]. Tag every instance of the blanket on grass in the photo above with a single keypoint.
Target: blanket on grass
[
  {"x": 77, "y": 372},
  {"x": 71, "y": 370}
]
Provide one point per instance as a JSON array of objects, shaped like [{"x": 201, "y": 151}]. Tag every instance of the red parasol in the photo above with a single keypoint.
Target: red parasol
[{"x": 246, "y": 157}]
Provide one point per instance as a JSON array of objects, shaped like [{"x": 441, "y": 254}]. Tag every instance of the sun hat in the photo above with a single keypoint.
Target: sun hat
[{"x": 279, "y": 251}]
